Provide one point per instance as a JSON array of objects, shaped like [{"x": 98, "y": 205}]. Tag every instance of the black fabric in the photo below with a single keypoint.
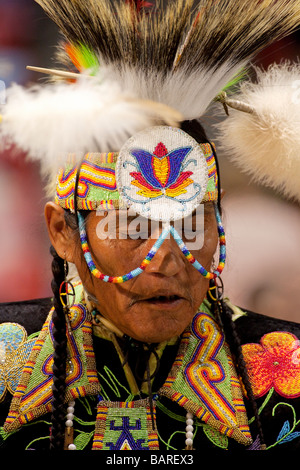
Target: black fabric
[
  {"x": 30, "y": 313},
  {"x": 253, "y": 326}
]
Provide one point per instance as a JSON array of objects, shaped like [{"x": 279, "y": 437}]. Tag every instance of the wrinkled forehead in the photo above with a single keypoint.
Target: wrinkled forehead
[{"x": 161, "y": 173}]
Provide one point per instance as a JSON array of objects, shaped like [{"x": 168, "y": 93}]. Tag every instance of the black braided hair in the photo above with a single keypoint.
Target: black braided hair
[
  {"x": 59, "y": 357},
  {"x": 221, "y": 310},
  {"x": 58, "y": 416},
  {"x": 233, "y": 339},
  {"x": 196, "y": 130}
]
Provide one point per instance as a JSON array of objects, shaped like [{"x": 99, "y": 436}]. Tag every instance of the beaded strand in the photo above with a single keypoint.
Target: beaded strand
[
  {"x": 69, "y": 421},
  {"x": 189, "y": 434},
  {"x": 222, "y": 255},
  {"x": 168, "y": 229},
  {"x": 116, "y": 279}
]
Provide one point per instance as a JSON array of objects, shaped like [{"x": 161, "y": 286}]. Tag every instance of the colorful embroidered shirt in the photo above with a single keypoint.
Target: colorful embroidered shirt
[{"x": 201, "y": 380}]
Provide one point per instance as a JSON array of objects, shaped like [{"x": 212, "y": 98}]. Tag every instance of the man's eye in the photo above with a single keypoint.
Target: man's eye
[
  {"x": 137, "y": 236},
  {"x": 134, "y": 231}
]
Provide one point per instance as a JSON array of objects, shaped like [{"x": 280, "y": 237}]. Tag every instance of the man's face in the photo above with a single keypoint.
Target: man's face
[{"x": 159, "y": 303}]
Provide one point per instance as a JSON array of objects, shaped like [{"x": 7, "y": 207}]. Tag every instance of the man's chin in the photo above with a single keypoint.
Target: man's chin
[{"x": 156, "y": 324}]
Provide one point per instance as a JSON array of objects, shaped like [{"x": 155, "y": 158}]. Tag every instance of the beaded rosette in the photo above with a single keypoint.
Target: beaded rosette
[{"x": 162, "y": 173}]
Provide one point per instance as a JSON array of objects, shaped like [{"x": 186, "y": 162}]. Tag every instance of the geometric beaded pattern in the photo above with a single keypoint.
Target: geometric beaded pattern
[
  {"x": 97, "y": 182},
  {"x": 125, "y": 426},
  {"x": 96, "y": 186},
  {"x": 203, "y": 380},
  {"x": 33, "y": 396}
]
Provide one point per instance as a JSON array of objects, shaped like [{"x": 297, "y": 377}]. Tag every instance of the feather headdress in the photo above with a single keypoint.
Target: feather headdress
[
  {"x": 265, "y": 143},
  {"x": 179, "y": 56}
]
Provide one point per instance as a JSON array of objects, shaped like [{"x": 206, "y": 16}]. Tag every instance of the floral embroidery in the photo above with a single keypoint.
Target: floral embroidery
[
  {"x": 14, "y": 352},
  {"x": 275, "y": 362},
  {"x": 287, "y": 433}
]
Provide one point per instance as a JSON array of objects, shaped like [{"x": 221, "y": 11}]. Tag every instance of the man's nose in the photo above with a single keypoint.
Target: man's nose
[{"x": 168, "y": 260}]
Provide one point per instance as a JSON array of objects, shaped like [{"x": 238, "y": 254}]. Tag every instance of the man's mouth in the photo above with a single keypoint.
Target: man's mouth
[{"x": 163, "y": 299}]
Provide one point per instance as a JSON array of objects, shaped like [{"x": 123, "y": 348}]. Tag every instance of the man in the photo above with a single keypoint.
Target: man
[{"x": 141, "y": 351}]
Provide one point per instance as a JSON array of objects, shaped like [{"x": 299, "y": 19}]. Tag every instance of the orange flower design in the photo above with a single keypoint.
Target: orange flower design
[{"x": 275, "y": 362}]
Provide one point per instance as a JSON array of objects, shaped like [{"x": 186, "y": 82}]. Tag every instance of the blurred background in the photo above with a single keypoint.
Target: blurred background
[{"x": 263, "y": 270}]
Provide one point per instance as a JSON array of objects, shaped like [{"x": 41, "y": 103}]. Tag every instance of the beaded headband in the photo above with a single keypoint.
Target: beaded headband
[
  {"x": 97, "y": 183},
  {"x": 162, "y": 173}
]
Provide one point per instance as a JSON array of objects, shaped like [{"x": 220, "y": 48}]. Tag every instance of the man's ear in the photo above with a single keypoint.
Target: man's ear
[{"x": 60, "y": 234}]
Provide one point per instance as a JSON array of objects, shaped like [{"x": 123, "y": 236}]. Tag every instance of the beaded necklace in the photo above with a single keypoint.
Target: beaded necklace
[
  {"x": 69, "y": 444},
  {"x": 189, "y": 431},
  {"x": 69, "y": 426}
]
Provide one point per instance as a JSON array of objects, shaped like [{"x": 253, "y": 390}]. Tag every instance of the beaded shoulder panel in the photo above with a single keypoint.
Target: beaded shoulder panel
[
  {"x": 203, "y": 380},
  {"x": 33, "y": 395}
]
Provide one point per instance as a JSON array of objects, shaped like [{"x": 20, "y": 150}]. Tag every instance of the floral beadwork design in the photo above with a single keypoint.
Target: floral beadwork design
[
  {"x": 15, "y": 349},
  {"x": 274, "y": 363},
  {"x": 160, "y": 173}
]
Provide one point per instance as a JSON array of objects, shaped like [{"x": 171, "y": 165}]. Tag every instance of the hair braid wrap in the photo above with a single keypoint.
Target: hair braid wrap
[
  {"x": 234, "y": 342},
  {"x": 59, "y": 357}
]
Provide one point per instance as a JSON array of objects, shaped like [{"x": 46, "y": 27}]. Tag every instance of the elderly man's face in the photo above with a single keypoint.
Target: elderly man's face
[{"x": 159, "y": 303}]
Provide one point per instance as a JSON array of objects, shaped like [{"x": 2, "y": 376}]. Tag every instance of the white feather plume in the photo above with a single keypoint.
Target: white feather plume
[
  {"x": 180, "y": 89},
  {"x": 181, "y": 54},
  {"x": 266, "y": 144},
  {"x": 51, "y": 121}
]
